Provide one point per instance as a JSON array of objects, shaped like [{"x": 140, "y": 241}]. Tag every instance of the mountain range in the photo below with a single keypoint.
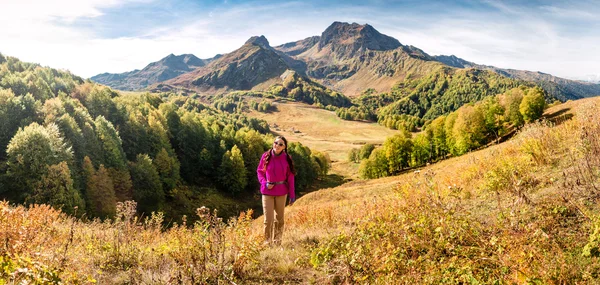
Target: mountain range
[
  {"x": 169, "y": 67},
  {"x": 561, "y": 88},
  {"x": 348, "y": 58}
]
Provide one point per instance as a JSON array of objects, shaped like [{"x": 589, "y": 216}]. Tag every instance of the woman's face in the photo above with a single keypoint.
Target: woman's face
[{"x": 278, "y": 145}]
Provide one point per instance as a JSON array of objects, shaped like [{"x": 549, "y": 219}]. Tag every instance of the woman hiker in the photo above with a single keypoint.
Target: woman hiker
[{"x": 276, "y": 177}]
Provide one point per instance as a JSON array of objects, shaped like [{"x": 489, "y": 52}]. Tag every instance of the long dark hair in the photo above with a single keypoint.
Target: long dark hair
[{"x": 287, "y": 155}]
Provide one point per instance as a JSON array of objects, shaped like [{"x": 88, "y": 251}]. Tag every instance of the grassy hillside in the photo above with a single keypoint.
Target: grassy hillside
[
  {"x": 521, "y": 212},
  {"x": 322, "y": 130}
]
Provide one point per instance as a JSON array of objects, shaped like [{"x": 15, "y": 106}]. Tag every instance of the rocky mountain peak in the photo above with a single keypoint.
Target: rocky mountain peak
[
  {"x": 360, "y": 37},
  {"x": 258, "y": 41},
  {"x": 181, "y": 62}
]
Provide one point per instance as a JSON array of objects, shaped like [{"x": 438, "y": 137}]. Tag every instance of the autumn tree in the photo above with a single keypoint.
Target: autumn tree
[
  {"x": 15, "y": 112},
  {"x": 397, "y": 150},
  {"x": 306, "y": 167},
  {"x": 511, "y": 101},
  {"x": 421, "y": 150},
  {"x": 375, "y": 166},
  {"x": 252, "y": 145},
  {"x": 436, "y": 133},
  {"x": 101, "y": 199},
  {"x": 168, "y": 169},
  {"x": 533, "y": 104},
  {"x": 169, "y": 112},
  {"x": 324, "y": 162},
  {"x": 469, "y": 129},
  {"x": 365, "y": 151},
  {"x": 99, "y": 102},
  {"x": 29, "y": 154},
  {"x": 114, "y": 158},
  {"x": 232, "y": 173},
  {"x": 148, "y": 191},
  {"x": 195, "y": 149},
  {"x": 55, "y": 188}
]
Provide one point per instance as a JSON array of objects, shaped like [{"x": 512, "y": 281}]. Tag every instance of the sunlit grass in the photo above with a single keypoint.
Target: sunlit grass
[{"x": 521, "y": 212}]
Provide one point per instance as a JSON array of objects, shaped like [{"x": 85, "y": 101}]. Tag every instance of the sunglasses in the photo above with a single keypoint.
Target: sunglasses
[{"x": 279, "y": 144}]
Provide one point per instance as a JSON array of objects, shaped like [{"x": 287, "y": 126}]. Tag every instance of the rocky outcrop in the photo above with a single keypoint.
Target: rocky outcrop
[{"x": 346, "y": 40}]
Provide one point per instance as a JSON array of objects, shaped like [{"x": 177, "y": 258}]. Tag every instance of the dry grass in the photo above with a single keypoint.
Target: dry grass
[
  {"x": 322, "y": 130},
  {"x": 519, "y": 212},
  {"x": 522, "y": 212}
]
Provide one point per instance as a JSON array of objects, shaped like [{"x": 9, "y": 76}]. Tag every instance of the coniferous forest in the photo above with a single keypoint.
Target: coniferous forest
[{"x": 82, "y": 147}]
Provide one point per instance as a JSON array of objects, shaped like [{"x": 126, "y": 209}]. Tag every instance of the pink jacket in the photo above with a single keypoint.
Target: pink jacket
[{"x": 277, "y": 170}]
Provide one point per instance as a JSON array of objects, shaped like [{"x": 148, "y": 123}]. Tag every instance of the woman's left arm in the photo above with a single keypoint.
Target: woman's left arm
[{"x": 291, "y": 186}]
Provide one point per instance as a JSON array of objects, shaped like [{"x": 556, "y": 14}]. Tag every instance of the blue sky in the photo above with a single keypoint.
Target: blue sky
[{"x": 89, "y": 37}]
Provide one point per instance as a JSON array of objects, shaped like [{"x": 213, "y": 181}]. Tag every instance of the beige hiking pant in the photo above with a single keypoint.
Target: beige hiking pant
[{"x": 273, "y": 204}]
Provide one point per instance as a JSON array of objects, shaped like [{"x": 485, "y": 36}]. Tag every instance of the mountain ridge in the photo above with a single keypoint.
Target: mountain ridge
[
  {"x": 560, "y": 88},
  {"x": 348, "y": 58},
  {"x": 351, "y": 58},
  {"x": 255, "y": 63},
  {"x": 166, "y": 68}
]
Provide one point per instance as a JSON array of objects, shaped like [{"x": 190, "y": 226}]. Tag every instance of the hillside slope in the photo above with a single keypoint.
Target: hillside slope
[
  {"x": 524, "y": 211},
  {"x": 521, "y": 211},
  {"x": 323, "y": 130},
  {"x": 253, "y": 64}
]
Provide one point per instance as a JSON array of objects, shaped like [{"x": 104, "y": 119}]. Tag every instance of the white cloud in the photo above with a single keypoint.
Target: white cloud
[
  {"x": 514, "y": 38},
  {"x": 570, "y": 13},
  {"x": 506, "y": 36},
  {"x": 40, "y": 32},
  {"x": 65, "y": 10}
]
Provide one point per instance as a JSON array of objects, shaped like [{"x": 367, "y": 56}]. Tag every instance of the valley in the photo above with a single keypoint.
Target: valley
[{"x": 322, "y": 130}]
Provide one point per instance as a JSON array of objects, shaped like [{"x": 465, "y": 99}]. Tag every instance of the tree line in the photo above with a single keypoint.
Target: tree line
[
  {"x": 82, "y": 147},
  {"x": 466, "y": 129},
  {"x": 415, "y": 101},
  {"x": 302, "y": 89}
]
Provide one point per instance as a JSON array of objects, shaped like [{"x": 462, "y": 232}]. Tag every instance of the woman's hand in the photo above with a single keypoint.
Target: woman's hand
[{"x": 270, "y": 185}]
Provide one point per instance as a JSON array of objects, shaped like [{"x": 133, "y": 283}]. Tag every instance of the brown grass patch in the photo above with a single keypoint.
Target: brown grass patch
[{"x": 322, "y": 130}]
